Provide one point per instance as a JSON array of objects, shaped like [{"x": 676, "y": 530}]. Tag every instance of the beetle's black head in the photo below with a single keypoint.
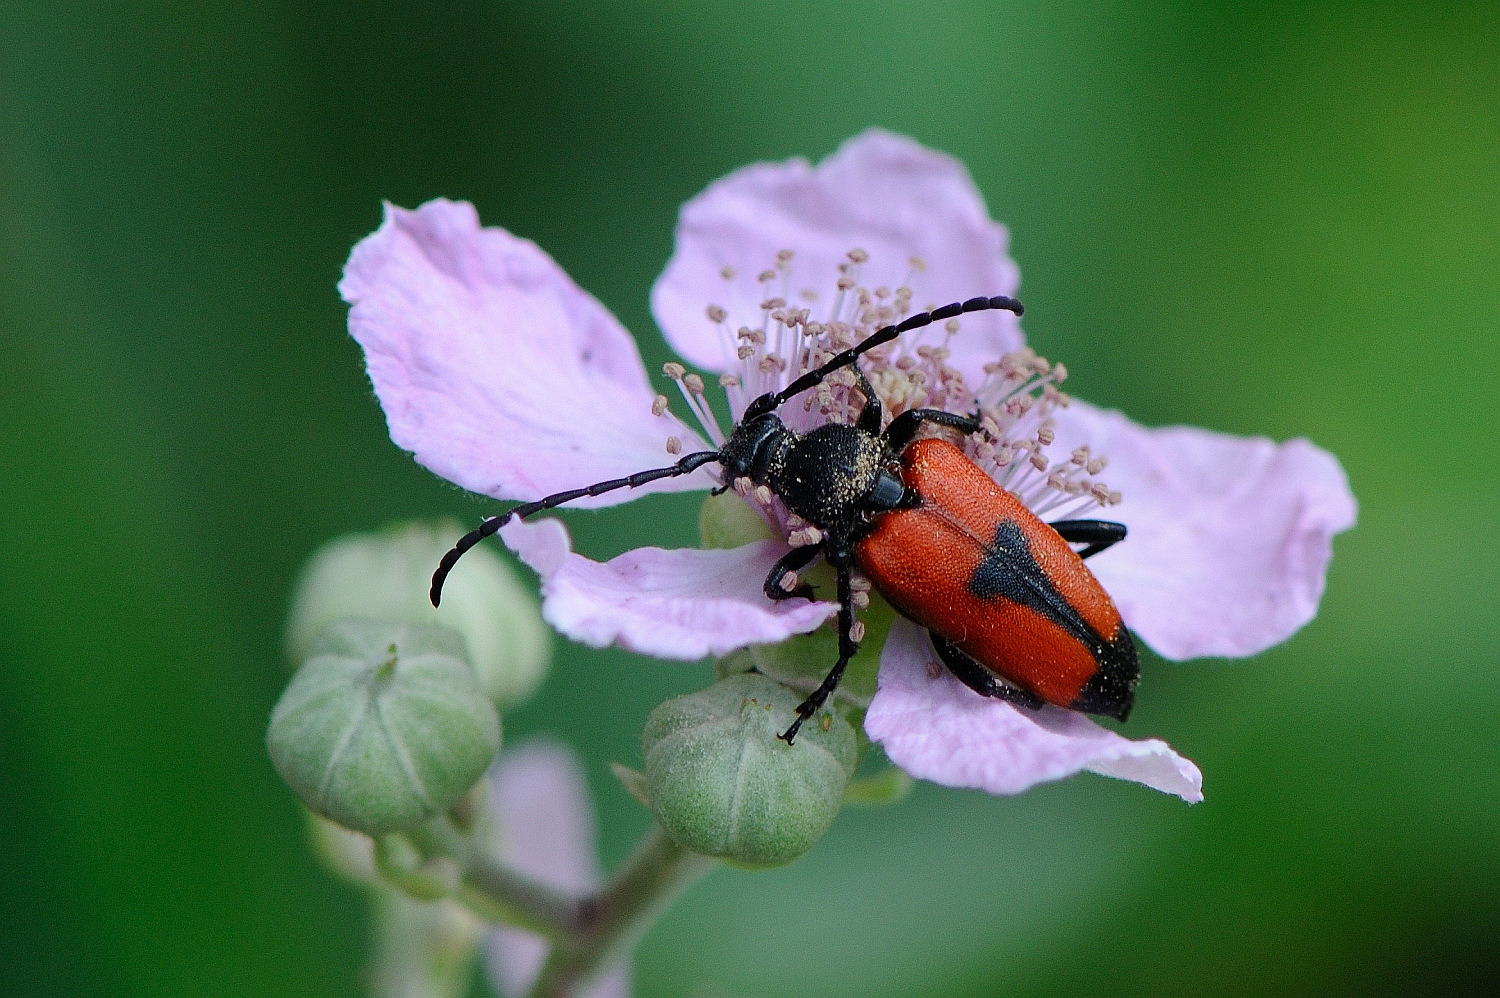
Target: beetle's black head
[{"x": 749, "y": 450}]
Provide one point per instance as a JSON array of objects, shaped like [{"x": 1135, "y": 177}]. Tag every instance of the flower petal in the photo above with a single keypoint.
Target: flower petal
[
  {"x": 1229, "y": 537},
  {"x": 683, "y": 604},
  {"x": 540, "y": 799},
  {"x": 937, "y": 729},
  {"x": 880, "y": 192},
  {"x": 494, "y": 368}
]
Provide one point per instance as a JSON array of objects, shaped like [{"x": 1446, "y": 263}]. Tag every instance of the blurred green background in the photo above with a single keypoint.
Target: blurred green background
[{"x": 1282, "y": 221}]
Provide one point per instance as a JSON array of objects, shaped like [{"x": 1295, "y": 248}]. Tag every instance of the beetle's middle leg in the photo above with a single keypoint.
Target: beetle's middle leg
[{"x": 847, "y": 647}]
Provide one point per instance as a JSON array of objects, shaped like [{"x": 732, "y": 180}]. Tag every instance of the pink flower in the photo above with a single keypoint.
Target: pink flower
[{"x": 501, "y": 375}]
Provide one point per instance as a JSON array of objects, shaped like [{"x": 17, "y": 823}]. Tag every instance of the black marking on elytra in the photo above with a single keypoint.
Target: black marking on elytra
[{"x": 1010, "y": 571}]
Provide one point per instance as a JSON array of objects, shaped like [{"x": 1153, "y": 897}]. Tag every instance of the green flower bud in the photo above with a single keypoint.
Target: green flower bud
[
  {"x": 384, "y": 727},
  {"x": 727, "y": 521},
  {"x": 722, "y": 784},
  {"x": 386, "y": 576}
]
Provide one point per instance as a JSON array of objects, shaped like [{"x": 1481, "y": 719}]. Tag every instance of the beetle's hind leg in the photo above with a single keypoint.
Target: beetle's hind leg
[
  {"x": 979, "y": 679},
  {"x": 1097, "y": 534},
  {"x": 792, "y": 562},
  {"x": 848, "y": 645}
]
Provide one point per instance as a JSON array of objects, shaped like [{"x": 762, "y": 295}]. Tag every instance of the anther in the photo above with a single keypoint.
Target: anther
[
  {"x": 694, "y": 383},
  {"x": 918, "y": 264},
  {"x": 674, "y": 446},
  {"x": 951, "y": 326},
  {"x": 857, "y": 631},
  {"x": 742, "y": 486},
  {"x": 845, "y": 283},
  {"x": 858, "y": 255},
  {"x": 727, "y": 273},
  {"x": 1097, "y": 465},
  {"x": 729, "y": 380},
  {"x": 1039, "y": 461},
  {"x": 763, "y": 495},
  {"x": 673, "y": 370},
  {"x": 789, "y": 581},
  {"x": 783, "y": 257},
  {"x": 658, "y": 405},
  {"x": 859, "y": 601},
  {"x": 716, "y": 314},
  {"x": 766, "y": 276},
  {"x": 813, "y": 534}
]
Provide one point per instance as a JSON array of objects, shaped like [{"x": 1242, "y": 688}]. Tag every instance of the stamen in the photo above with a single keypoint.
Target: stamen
[{"x": 674, "y": 446}]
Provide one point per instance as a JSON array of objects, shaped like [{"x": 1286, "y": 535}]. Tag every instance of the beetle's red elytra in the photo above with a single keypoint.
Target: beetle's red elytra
[{"x": 979, "y": 569}]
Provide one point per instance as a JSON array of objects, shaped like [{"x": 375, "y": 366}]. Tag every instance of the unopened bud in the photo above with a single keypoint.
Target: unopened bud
[
  {"x": 384, "y": 727},
  {"x": 386, "y": 576},
  {"x": 726, "y": 521},
  {"x": 722, "y": 783}
]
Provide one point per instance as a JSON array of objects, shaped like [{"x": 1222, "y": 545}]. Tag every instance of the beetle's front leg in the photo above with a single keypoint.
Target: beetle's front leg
[{"x": 782, "y": 583}]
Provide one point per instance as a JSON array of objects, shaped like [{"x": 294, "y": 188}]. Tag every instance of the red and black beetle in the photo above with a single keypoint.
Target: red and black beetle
[{"x": 1011, "y": 608}]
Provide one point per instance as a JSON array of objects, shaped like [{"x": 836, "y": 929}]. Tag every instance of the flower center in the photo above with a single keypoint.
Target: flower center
[{"x": 796, "y": 331}]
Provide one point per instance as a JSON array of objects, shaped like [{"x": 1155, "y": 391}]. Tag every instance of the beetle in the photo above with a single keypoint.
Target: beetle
[{"x": 1010, "y": 607}]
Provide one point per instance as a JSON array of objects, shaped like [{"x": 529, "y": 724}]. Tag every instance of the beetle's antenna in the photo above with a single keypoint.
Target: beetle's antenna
[
  {"x": 688, "y": 464},
  {"x": 770, "y": 403}
]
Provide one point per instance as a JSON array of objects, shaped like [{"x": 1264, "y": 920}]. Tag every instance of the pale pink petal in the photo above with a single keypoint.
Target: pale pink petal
[
  {"x": 540, "y": 800},
  {"x": 882, "y": 193},
  {"x": 494, "y": 368},
  {"x": 1229, "y": 537},
  {"x": 937, "y": 729},
  {"x": 682, "y": 604}
]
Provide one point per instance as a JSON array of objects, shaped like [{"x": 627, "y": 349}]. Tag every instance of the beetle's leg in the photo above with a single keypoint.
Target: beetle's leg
[
  {"x": 688, "y": 464},
  {"x": 1097, "y": 534},
  {"x": 770, "y": 402},
  {"x": 904, "y": 426},
  {"x": 792, "y": 562},
  {"x": 979, "y": 679},
  {"x": 847, "y": 647},
  {"x": 871, "y": 416}
]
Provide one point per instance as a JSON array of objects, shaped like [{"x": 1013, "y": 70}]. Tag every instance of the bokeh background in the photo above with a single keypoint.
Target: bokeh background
[{"x": 1267, "y": 220}]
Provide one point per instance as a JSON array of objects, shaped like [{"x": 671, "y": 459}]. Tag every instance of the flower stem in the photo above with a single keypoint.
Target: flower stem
[
  {"x": 588, "y": 933},
  {"x": 613, "y": 920},
  {"x": 493, "y": 891}
]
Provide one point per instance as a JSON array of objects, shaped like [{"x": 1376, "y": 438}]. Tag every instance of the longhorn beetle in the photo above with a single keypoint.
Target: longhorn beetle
[{"x": 1010, "y": 607}]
